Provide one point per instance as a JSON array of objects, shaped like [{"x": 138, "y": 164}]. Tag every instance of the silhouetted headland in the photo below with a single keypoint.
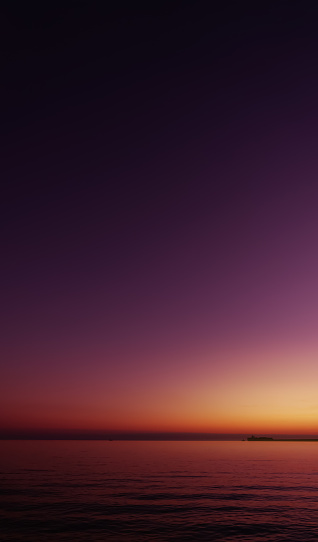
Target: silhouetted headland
[{"x": 271, "y": 439}]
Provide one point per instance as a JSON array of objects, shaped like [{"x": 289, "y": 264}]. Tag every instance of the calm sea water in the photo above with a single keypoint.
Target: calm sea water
[{"x": 138, "y": 491}]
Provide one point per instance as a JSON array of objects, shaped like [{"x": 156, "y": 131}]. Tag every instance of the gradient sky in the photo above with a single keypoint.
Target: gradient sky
[{"x": 160, "y": 218}]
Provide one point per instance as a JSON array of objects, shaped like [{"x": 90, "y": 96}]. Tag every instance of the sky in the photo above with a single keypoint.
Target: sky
[{"x": 159, "y": 218}]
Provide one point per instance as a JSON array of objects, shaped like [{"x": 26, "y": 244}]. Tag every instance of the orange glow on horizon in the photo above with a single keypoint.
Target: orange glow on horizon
[{"x": 245, "y": 393}]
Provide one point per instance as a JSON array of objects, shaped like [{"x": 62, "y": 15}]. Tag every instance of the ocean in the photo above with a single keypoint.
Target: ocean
[{"x": 158, "y": 491}]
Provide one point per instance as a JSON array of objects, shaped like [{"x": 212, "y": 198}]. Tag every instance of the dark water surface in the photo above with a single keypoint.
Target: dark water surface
[{"x": 137, "y": 491}]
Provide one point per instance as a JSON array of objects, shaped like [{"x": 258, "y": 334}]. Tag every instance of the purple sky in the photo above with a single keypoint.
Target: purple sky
[{"x": 159, "y": 213}]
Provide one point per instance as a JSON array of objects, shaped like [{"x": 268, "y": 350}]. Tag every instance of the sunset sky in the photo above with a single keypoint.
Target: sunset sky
[{"x": 159, "y": 218}]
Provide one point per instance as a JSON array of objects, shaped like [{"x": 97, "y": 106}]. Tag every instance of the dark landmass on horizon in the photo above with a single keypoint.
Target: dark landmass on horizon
[
  {"x": 286, "y": 439},
  {"x": 140, "y": 435}
]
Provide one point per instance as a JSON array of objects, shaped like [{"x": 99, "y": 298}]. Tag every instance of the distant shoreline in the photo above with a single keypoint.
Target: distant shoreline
[
  {"x": 148, "y": 436},
  {"x": 270, "y": 439}
]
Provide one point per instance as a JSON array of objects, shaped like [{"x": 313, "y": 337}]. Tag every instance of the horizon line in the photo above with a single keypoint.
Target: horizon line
[{"x": 136, "y": 435}]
